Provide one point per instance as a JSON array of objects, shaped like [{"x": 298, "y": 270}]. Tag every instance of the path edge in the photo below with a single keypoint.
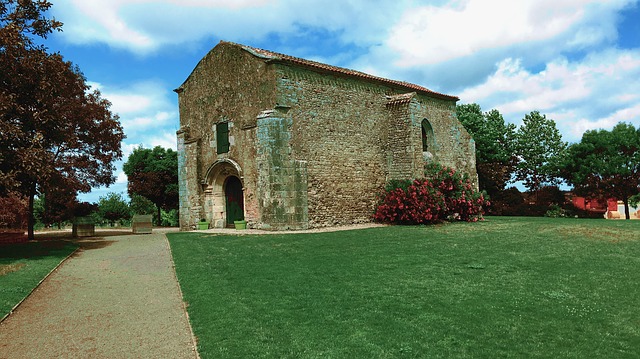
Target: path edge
[
  {"x": 194, "y": 340},
  {"x": 38, "y": 285}
]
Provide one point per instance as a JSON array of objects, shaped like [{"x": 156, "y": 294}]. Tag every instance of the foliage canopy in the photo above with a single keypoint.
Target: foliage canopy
[
  {"x": 153, "y": 174},
  {"x": 606, "y": 164},
  {"x": 495, "y": 146},
  {"x": 56, "y": 131},
  {"x": 539, "y": 147}
]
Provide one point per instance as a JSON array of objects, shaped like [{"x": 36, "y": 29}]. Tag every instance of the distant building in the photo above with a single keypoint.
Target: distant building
[
  {"x": 288, "y": 143},
  {"x": 610, "y": 208},
  {"x": 595, "y": 205}
]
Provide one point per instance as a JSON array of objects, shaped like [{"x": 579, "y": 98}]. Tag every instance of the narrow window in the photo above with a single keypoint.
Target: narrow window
[
  {"x": 222, "y": 137},
  {"x": 425, "y": 142}
]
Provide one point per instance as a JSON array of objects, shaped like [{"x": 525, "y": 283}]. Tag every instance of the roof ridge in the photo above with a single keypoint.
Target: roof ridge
[{"x": 275, "y": 56}]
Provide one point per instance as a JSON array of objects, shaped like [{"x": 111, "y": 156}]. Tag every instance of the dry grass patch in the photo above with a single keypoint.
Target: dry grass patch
[{"x": 8, "y": 268}]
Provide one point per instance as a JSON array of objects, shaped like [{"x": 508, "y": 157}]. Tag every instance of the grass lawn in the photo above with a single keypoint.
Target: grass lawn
[
  {"x": 24, "y": 265},
  {"x": 506, "y": 287}
]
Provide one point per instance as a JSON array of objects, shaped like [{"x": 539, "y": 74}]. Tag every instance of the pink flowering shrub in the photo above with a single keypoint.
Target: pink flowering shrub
[{"x": 443, "y": 194}]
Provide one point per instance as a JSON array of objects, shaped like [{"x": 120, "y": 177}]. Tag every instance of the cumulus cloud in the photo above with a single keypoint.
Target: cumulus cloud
[
  {"x": 143, "y": 107},
  {"x": 595, "y": 92},
  {"x": 433, "y": 34},
  {"x": 166, "y": 139},
  {"x": 121, "y": 177},
  {"x": 628, "y": 114},
  {"x": 144, "y": 26}
]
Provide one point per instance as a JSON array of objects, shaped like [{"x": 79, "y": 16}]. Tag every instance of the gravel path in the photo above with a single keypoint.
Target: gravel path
[{"x": 116, "y": 297}]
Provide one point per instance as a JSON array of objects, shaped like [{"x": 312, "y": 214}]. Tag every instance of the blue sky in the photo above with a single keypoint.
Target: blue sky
[{"x": 576, "y": 61}]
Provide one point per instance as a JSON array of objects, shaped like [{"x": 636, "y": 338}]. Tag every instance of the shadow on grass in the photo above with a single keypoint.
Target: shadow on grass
[
  {"x": 31, "y": 250},
  {"x": 51, "y": 242}
]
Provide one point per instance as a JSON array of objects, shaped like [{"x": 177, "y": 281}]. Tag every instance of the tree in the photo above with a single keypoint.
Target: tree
[
  {"x": 539, "y": 147},
  {"x": 54, "y": 129},
  {"x": 141, "y": 205},
  {"x": 634, "y": 200},
  {"x": 606, "y": 164},
  {"x": 113, "y": 207},
  {"x": 495, "y": 146},
  {"x": 57, "y": 204},
  {"x": 153, "y": 174}
]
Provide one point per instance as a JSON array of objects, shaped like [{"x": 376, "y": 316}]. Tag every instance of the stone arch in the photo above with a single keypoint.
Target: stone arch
[
  {"x": 215, "y": 181},
  {"x": 428, "y": 140}
]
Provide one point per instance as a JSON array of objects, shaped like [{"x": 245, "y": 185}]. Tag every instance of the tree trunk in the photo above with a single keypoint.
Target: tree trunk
[
  {"x": 31, "y": 219},
  {"x": 159, "y": 219},
  {"x": 625, "y": 200}
]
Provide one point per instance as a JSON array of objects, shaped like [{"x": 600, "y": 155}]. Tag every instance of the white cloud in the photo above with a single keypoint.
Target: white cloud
[
  {"x": 558, "y": 83},
  {"x": 628, "y": 114},
  {"x": 430, "y": 34},
  {"x": 165, "y": 139},
  {"x": 144, "y": 107},
  {"x": 120, "y": 23},
  {"x": 144, "y": 26},
  {"x": 121, "y": 177},
  {"x": 149, "y": 122},
  {"x": 595, "y": 92}
]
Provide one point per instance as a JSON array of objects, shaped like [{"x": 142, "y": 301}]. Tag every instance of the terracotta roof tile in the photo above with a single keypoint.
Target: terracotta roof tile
[
  {"x": 402, "y": 98},
  {"x": 274, "y": 56}
]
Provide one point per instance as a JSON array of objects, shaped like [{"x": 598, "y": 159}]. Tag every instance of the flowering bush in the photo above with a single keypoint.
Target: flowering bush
[{"x": 443, "y": 194}]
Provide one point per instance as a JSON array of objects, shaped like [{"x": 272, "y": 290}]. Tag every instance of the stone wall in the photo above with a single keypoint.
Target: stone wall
[
  {"x": 454, "y": 146},
  {"x": 228, "y": 85},
  {"x": 188, "y": 182},
  {"x": 282, "y": 180},
  {"x": 357, "y": 135},
  {"x": 343, "y": 129}
]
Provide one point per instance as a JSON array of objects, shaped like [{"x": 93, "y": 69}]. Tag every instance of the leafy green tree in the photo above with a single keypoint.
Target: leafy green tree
[
  {"x": 634, "y": 200},
  {"x": 141, "y": 205},
  {"x": 170, "y": 218},
  {"x": 153, "y": 174},
  {"x": 539, "y": 147},
  {"x": 54, "y": 130},
  {"x": 113, "y": 207},
  {"x": 495, "y": 146},
  {"x": 606, "y": 164}
]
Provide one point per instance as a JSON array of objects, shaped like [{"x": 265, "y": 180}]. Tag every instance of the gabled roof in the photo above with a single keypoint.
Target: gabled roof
[{"x": 274, "y": 56}]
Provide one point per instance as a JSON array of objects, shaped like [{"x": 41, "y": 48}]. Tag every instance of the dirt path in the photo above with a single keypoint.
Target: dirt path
[{"x": 117, "y": 297}]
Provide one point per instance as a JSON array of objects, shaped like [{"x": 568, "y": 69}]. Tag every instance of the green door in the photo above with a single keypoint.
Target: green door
[{"x": 234, "y": 200}]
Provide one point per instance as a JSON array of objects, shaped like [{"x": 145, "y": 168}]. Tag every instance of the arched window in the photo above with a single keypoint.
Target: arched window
[{"x": 428, "y": 140}]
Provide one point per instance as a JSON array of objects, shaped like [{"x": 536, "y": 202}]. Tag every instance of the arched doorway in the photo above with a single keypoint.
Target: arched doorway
[
  {"x": 223, "y": 193},
  {"x": 234, "y": 199}
]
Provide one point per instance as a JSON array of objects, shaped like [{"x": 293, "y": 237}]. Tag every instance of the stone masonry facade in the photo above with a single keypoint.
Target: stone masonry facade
[{"x": 312, "y": 144}]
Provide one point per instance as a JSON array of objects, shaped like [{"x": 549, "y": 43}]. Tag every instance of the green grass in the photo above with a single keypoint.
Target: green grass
[
  {"x": 24, "y": 265},
  {"x": 506, "y": 287}
]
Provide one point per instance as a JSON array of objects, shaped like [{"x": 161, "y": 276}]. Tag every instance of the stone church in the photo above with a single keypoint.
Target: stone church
[{"x": 289, "y": 143}]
